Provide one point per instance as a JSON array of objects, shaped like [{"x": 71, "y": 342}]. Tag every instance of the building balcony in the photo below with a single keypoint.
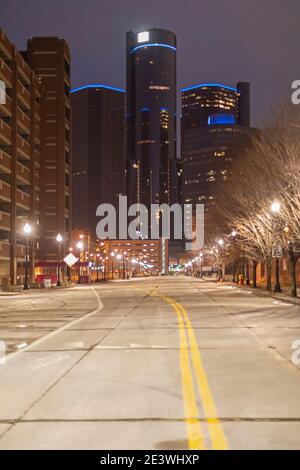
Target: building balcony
[
  {"x": 23, "y": 94},
  {"x": 37, "y": 134},
  {"x": 6, "y": 109},
  {"x": 5, "y": 162},
  {"x": 20, "y": 251},
  {"x": 4, "y": 250},
  {"x": 4, "y": 220},
  {"x": 23, "y": 120},
  {"x": 37, "y": 109},
  {"x": 36, "y": 181},
  {"x": 5, "y": 191},
  {"x": 36, "y": 206},
  {"x": 5, "y": 132},
  {"x": 23, "y": 68},
  {"x": 36, "y": 155},
  {"x": 23, "y": 173},
  {"x": 23, "y": 147},
  {"x": 22, "y": 199},
  {"x": 5, "y": 73}
]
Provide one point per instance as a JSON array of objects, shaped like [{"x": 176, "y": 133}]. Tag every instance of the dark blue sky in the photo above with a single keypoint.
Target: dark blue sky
[{"x": 218, "y": 41}]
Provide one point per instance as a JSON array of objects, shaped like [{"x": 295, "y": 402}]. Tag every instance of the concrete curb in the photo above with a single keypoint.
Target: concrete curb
[{"x": 261, "y": 293}]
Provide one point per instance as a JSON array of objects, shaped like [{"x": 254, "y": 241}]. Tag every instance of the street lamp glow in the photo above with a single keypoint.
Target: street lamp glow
[
  {"x": 27, "y": 229},
  {"x": 221, "y": 242},
  {"x": 112, "y": 253},
  {"x": 275, "y": 207},
  {"x": 233, "y": 233},
  {"x": 59, "y": 238},
  {"x": 79, "y": 245}
]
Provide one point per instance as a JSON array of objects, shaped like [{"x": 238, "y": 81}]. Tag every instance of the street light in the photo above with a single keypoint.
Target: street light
[
  {"x": 27, "y": 231},
  {"x": 275, "y": 207},
  {"x": 59, "y": 239}
]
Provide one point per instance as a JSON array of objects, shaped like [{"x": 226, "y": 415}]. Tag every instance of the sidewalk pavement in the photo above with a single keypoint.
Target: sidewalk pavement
[{"x": 259, "y": 290}]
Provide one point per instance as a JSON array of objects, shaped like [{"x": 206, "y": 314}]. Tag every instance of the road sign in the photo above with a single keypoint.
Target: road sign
[
  {"x": 70, "y": 260},
  {"x": 277, "y": 251}
]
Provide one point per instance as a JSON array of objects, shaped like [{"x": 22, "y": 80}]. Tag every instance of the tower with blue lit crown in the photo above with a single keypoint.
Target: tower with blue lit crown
[{"x": 151, "y": 117}]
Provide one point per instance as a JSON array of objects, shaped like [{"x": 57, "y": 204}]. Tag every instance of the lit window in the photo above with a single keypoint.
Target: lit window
[{"x": 143, "y": 37}]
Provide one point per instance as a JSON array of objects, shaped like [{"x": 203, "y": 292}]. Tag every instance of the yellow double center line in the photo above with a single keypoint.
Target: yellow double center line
[{"x": 188, "y": 343}]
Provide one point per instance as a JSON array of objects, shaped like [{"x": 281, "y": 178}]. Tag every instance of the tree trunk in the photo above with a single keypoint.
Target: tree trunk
[
  {"x": 254, "y": 274},
  {"x": 293, "y": 263},
  {"x": 269, "y": 274},
  {"x": 247, "y": 273}
]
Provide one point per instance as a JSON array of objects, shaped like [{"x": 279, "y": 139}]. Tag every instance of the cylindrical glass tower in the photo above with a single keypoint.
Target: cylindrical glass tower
[{"x": 151, "y": 116}]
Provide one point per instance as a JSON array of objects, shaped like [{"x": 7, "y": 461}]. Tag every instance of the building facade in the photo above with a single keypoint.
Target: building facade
[
  {"x": 215, "y": 131},
  {"x": 151, "y": 117},
  {"x": 98, "y": 151},
  {"x": 49, "y": 57},
  {"x": 20, "y": 159},
  {"x": 213, "y": 103}
]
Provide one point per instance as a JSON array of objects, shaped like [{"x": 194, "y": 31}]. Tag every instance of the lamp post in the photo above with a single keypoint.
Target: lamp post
[
  {"x": 97, "y": 266},
  {"x": 113, "y": 254},
  {"x": 201, "y": 265},
  {"x": 80, "y": 247},
  {"x": 124, "y": 268},
  {"x": 27, "y": 231},
  {"x": 220, "y": 265},
  {"x": 59, "y": 239},
  {"x": 275, "y": 207}
]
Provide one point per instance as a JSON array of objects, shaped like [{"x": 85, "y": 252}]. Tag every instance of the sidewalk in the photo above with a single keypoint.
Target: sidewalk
[
  {"x": 36, "y": 291},
  {"x": 260, "y": 291}
]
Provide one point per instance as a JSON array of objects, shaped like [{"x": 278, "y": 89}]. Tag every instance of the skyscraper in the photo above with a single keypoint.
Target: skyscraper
[
  {"x": 213, "y": 103},
  {"x": 151, "y": 117},
  {"x": 98, "y": 151},
  {"x": 49, "y": 57},
  {"x": 215, "y": 131}
]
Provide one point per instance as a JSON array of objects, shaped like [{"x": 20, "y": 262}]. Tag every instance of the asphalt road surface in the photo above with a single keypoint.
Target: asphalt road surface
[{"x": 157, "y": 363}]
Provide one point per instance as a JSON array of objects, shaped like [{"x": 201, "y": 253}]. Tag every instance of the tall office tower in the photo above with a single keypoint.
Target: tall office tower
[
  {"x": 213, "y": 103},
  {"x": 98, "y": 151},
  {"x": 20, "y": 140},
  {"x": 49, "y": 57},
  {"x": 215, "y": 130},
  {"x": 151, "y": 117}
]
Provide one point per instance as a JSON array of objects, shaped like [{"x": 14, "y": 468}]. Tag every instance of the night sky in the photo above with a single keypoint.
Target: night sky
[{"x": 223, "y": 41}]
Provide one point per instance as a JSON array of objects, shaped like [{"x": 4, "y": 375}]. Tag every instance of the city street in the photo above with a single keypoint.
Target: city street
[{"x": 154, "y": 363}]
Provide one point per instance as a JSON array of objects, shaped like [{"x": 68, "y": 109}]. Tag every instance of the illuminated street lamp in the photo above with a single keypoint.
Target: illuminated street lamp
[
  {"x": 27, "y": 231},
  {"x": 59, "y": 239},
  {"x": 79, "y": 245},
  {"x": 275, "y": 207}
]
